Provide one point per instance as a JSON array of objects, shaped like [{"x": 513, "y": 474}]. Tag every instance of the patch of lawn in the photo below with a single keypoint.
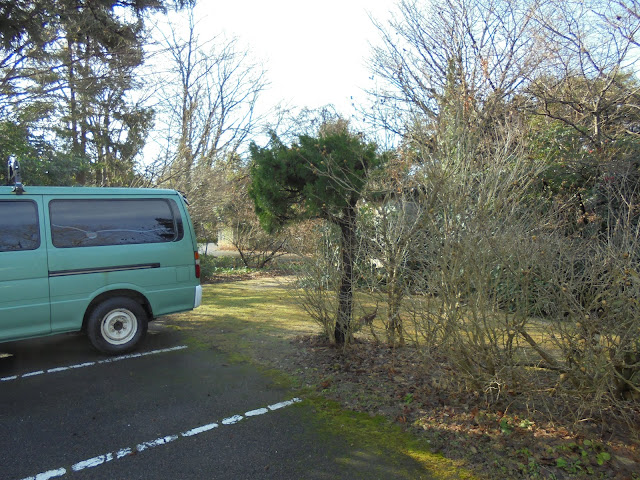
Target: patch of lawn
[{"x": 251, "y": 320}]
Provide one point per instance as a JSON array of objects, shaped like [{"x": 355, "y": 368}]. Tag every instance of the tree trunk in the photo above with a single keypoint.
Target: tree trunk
[
  {"x": 73, "y": 107},
  {"x": 345, "y": 292},
  {"x": 395, "y": 335}
]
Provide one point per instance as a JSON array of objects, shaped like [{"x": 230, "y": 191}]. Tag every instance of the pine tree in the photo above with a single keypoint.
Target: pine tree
[{"x": 319, "y": 176}]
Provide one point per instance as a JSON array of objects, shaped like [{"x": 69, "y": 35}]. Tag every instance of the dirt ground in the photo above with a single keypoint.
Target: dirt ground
[{"x": 502, "y": 438}]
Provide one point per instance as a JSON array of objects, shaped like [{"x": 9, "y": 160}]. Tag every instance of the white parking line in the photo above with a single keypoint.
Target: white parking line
[
  {"x": 89, "y": 364},
  {"x": 197, "y": 430},
  {"x": 123, "y": 452},
  {"x": 232, "y": 420},
  {"x": 154, "y": 443}
]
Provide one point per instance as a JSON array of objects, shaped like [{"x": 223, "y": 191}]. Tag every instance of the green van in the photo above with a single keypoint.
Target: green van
[{"x": 100, "y": 260}]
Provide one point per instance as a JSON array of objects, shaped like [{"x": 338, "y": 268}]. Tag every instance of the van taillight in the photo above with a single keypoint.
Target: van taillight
[{"x": 196, "y": 256}]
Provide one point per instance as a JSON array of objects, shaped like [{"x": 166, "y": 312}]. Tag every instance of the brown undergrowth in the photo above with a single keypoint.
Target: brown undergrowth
[{"x": 501, "y": 436}]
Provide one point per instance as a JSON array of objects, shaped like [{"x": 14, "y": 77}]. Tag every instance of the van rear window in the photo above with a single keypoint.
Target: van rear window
[
  {"x": 19, "y": 228},
  {"x": 93, "y": 223}
]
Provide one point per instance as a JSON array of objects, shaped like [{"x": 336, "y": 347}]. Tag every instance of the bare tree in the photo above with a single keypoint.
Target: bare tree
[
  {"x": 484, "y": 48},
  {"x": 256, "y": 247},
  {"x": 392, "y": 235},
  {"x": 585, "y": 80},
  {"x": 208, "y": 90},
  {"x": 622, "y": 15},
  {"x": 208, "y": 99}
]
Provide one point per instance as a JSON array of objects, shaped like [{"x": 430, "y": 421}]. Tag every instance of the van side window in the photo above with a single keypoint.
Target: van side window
[
  {"x": 19, "y": 229},
  {"x": 92, "y": 223}
]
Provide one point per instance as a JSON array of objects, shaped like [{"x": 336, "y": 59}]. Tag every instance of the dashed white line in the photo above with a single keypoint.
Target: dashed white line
[
  {"x": 253, "y": 413},
  {"x": 154, "y": 443},
  {"x": 70, "y": 367},
  {"x": 197, "y": 430},
  {"x": 47, "y": 475},
  {"x": 92, "y": 462},
  {"x": 123, "y": 452},
  {"x": 89, "y": 364},
  {"x": 141, "y": 354},
  {"x": 283, "y": 404},
  {"x": 232, "y": 420}
]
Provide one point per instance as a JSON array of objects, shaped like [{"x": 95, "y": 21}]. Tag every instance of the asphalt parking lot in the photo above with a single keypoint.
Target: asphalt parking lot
[{"x": 168, "y": 411}]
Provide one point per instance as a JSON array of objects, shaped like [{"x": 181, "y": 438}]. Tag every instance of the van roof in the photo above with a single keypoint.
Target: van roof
[{"x": 110, "y": 191}]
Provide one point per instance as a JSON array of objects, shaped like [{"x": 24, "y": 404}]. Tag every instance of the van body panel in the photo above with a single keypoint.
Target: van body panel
[
  {"x": 49, "y": 289},
  {"x": 24, "y": 286},
  {"x": 24, "y": 294}
]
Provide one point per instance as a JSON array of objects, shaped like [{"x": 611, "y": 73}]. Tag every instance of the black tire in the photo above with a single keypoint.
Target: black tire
[{"x": 117, "y": 325}]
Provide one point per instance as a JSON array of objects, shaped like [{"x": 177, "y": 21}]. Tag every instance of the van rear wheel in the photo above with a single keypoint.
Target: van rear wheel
[{"x": 117, "y": 325}]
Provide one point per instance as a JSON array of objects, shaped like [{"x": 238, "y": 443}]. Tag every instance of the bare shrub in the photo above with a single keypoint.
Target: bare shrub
[
  {"x": 595, "y": 323},
  {"x": 519, "y": 295},
  {"x": 479, "y": 267},
  {"x": 318, "y": 279},
  {"x": 392, "y": 240},
  {"x": 480, "y": 262},
  {"x": 256, "y": 247}
]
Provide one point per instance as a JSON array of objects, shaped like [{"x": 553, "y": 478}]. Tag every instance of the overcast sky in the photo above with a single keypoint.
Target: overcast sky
[{"x": 315, "y": 53}]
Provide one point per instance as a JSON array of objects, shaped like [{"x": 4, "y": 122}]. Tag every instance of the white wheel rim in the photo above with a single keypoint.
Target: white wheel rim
[{"x": 119, "y": 326}]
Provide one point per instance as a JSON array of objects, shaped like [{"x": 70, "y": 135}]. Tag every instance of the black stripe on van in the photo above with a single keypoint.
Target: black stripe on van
[{"x": 119, "y": 268}]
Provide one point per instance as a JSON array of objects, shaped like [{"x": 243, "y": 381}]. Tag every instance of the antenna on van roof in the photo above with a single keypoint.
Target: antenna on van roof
[
  {"x": 184, "y": 196},
  {"x": 13, "y": 174}
]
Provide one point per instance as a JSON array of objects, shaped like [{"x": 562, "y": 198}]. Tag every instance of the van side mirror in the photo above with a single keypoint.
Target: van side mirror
[{"x": 13, "y": 175}]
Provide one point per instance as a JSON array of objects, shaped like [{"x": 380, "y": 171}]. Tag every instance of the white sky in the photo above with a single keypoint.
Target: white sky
[{"x": 315, "y": 52}]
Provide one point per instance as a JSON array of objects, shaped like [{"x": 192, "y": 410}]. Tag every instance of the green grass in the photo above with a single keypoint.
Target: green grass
[
  {"x": 252, "y": 319},
  {"x": 216, "y": 266},
  {"x": 212, "y": 265}
]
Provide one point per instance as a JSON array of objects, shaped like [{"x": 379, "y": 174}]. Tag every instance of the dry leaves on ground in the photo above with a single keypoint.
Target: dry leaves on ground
[{"x": 499, "y": 436}]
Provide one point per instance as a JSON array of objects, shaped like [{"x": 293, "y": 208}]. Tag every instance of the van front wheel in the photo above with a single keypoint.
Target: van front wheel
[{"x": 117, "y": 325}]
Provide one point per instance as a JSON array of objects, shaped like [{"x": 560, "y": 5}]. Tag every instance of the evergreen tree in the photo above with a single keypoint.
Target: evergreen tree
[{"x": 319, "y": 176}]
